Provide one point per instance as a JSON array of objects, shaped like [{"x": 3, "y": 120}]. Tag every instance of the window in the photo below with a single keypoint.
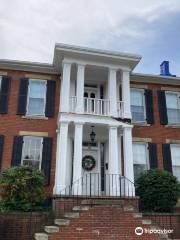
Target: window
[
  {"x": 175, "y": 155},
  {"x": 173, "y": 107},
  {"x": 32, "y": 151},
  {"x": 140, "y": 158},
  {"x": 138, "y": 105},
  {"x": 36, "y": 97}
]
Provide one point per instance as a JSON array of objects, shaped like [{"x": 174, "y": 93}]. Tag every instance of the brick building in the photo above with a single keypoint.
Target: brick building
[{"x": 87, "y": 119}]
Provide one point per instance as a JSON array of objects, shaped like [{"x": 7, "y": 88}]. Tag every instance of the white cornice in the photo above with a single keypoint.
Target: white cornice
[
  {"x": 156, "y": 79},
  {"x": 27, "y": 66}
]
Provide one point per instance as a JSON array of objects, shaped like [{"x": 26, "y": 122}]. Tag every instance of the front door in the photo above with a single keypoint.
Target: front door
[{"x": 91, "y": 170}]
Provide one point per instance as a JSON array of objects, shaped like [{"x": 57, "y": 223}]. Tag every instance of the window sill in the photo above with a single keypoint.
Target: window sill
[
  {"x": 172, "y": 126},
  {"x": 35, "y": 117},
  {"x": 144, "y": 124}
]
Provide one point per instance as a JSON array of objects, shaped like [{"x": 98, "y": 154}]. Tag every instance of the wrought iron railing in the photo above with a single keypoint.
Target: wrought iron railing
[{"x": 96, "y": 185}]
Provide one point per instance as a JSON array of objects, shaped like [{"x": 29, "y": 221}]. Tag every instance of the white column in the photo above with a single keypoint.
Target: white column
[
  {"x": 128, "y": 161},
  {"x": 65, "y": 88},
  {"x": 80, "y": 88},
  {"x": 126, "y": 93},
  {"x": 77, "y": 164},
  {"x": 113, "y": 178},
  {"x": 61, "y": 159},
  {"x": 112, "y": 91}
]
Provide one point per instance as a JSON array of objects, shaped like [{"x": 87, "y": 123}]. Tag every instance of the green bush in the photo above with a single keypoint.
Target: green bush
[
  {"x": 158, "y": 191},
  {"x": 21, "y": 189}
]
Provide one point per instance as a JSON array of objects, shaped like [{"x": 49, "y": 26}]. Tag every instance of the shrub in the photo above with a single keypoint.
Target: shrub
[
  {"x": 158, "y": 191},
  {"x": 22, "y": 188}
]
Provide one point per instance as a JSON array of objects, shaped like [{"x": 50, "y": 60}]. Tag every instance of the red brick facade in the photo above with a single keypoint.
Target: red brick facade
[
  {"x": 11, "y": 124},
  {"x": 156, "y": 132}
]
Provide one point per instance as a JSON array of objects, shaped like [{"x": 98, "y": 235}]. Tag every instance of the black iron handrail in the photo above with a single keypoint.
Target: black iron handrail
[{"x": 90, "y": 184}]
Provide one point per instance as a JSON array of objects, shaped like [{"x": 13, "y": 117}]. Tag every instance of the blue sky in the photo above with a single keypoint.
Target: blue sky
[{"x": 29, "y": 29}]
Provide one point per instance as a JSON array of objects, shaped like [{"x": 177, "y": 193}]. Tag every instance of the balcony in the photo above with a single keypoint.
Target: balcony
[{"x": 96, "y": 106}]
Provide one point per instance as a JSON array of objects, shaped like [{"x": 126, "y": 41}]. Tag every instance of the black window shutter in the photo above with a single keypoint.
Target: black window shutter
[
  {"x": 166, "y": 149},
  {"x": 46, "y": 158},
  {"x": 17, "y": 151},
  {"x": 162, "y": 107},
  {"x": 152, "y": 155},
  {"x": 22, "y": 99},
  {"x": 50, "y": 98},
  {"x": 4, "y": 94},
  {"x": 149, "y": 106},
  {"x": 1, "y": 148}
]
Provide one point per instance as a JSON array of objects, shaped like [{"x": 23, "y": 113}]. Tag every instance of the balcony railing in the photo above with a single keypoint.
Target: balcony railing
[{"x": 96, "y": 106}]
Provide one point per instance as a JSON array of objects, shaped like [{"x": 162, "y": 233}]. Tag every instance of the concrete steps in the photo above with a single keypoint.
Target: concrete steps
[
  {"x": 51, "y": 229},
  {"x": 71, "y": 215},
  {"x": 41, "y": 236},
  {"x": 63, "y": 223}
]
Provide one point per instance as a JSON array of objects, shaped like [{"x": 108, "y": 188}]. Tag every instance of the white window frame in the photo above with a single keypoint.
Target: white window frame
[
  {"x": 178, "y": 100},
  {"x": 41, "y": 149},
  {"x": 174, "y": 145},
  {"x": 28, "y": 96},
  {"x": 147, "y": 153},
  {"x": 144, "y": 104}
]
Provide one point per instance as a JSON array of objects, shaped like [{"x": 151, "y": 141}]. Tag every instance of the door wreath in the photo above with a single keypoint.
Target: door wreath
[{"x": 88, "y": 163}]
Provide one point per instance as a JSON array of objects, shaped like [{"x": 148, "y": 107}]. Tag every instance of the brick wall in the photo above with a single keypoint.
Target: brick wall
[
  {"x": 157, "y": 132},
  {"x": 166, "y": 221},
  {"x": 22, "y": 226},
  {"x": 11, "y": 124}
]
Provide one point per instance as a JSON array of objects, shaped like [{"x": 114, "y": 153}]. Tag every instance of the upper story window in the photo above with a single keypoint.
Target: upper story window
[
  {"x": 140, "y": 158},
  {"x": 175, "y": 155},
  {"x": 36, "y": 97},
  {"x": 138, "y": 105},
  {"x": 36, "y": 101},
  {"x": 173, "y": 107},
  {"x": 32, "y": 151}
]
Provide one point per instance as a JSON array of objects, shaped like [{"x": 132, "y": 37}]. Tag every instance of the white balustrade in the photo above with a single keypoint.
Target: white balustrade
[
  {"x": 120, "y": 108},
  {"x": 96, "y": 106}
]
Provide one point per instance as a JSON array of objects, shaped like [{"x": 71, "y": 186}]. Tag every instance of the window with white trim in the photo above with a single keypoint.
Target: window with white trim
[
  {"x": 173, "y": 107},
  {"x": 32, "y": 151},
  {"x": 36, "y": 100},
  {"x": 138, "y": 105},
  {"x": 140, "y": 158},
  {"x": 175, "y": 155}
]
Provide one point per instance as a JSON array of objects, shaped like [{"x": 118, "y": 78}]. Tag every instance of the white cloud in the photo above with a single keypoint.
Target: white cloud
[{"x": 29, "y": 29}]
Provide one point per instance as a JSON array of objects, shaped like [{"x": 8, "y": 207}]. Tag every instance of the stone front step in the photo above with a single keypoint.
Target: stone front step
[
  {"x": 41, "y": 236},
  {"x": 62, "y": 222},
  {"x": 128, "y": 209},
  {"x": 146, "y": 222},
  {"x": 71, "y": 215},
  {"x": 51, "y": 229},
  {"x": 80, "y": 208},
  {"x": 137, "y": 215}
]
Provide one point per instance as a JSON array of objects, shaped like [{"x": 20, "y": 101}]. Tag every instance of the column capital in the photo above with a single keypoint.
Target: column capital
[
  {"x": 65, "y": 61},
  {"x": 81, "y": 64},
  {"x": 128, "y": 127},
  {"x": 76, "y": 123},
  {"x": 113, "y": 126},
  {"x": 125, "y": 70}
]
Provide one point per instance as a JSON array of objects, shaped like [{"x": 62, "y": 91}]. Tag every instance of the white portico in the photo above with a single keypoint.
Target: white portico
[{"x": 95, "y": 91}]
